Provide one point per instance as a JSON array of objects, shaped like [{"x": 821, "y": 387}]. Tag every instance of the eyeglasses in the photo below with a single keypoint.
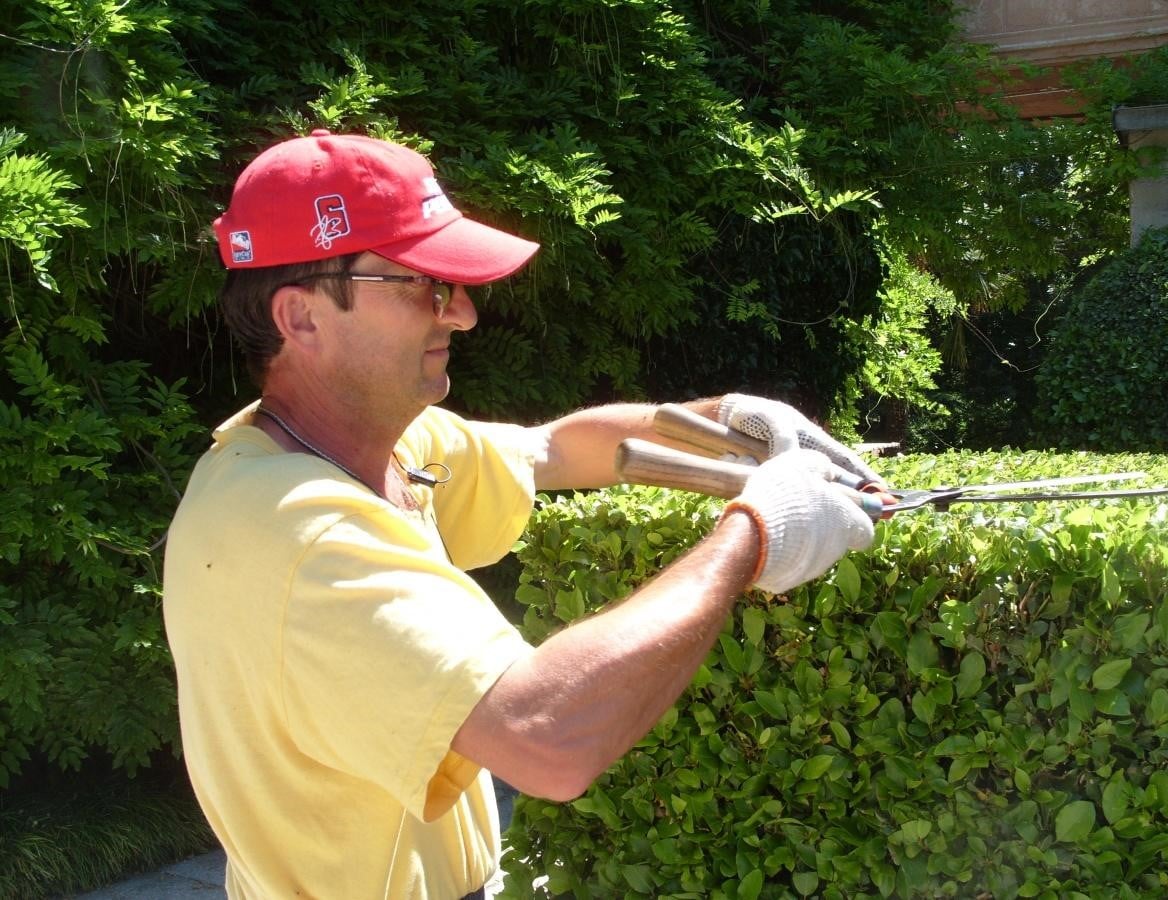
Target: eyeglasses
[{"x": 440, "y": 291}]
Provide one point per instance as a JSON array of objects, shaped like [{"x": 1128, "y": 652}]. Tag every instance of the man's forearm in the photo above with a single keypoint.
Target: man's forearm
[
  {"x": 580, "y": 448},
  {"x": 557, "y": 718}
]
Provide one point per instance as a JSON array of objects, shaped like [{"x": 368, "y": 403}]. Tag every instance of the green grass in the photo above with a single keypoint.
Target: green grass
[{"x": 88, "y": 833}]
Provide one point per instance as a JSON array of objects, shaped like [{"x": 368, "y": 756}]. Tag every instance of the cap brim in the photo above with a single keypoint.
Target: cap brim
[{"x": 462, "y": 252}]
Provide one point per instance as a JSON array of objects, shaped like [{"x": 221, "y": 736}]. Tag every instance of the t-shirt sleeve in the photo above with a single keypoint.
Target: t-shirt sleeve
[
  {"x": 485, "y": 505},
  {"x": 386, "y": 652}
]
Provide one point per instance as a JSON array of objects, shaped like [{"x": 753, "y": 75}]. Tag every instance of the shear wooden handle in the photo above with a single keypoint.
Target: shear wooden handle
[
  {"x": 643, "y": 462},
  {"x": 675, "y": 421}
]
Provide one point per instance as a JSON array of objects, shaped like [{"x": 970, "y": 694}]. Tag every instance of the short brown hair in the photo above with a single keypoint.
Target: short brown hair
[{"x": 246, "y": 303}]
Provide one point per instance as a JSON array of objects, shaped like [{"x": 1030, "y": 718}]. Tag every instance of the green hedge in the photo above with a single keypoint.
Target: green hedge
[
  {"x": 1101, "y": 385},
  {"x": 978, "y": 706}
]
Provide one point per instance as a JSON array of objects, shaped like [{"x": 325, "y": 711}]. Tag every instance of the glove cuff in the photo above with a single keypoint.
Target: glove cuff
[
  {"x": 784, "y": 513},
  {"x": 760, "y": 527},
  {"x": 726, "y": 407}
]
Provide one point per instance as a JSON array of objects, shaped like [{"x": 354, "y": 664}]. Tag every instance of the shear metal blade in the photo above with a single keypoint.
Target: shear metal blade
[{"x": 1061, "y": 481}]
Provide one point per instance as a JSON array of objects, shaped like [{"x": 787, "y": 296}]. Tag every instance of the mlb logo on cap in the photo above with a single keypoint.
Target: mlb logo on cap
[{"x": 240, "y": 246}]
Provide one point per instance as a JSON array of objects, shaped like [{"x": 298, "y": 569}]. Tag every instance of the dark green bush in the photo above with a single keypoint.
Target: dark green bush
[
  {"x": 95, "y": 443},
  {"x": 977, "y": 706},
  {"x": 1101, "y": 385}
]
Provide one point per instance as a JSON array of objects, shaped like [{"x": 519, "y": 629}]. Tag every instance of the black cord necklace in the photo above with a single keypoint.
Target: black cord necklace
[{"x": 416, "y": 476}]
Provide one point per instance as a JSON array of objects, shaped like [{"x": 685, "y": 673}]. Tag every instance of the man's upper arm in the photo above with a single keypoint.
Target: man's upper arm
[{"x": 386, "y": 651}]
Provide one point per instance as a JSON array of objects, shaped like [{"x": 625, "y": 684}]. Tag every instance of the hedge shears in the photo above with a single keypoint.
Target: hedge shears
[{"x": 645, "y": 462}]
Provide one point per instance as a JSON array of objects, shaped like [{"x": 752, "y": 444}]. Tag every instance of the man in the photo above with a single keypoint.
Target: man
[{"x": 344, "y": 686}]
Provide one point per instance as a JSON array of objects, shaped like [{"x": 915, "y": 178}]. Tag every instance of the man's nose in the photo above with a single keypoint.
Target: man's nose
[{"x": 461, "y": 312}]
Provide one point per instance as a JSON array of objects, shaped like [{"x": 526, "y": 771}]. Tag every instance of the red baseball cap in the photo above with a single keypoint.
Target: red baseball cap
[{"x": 327, "y": 195}]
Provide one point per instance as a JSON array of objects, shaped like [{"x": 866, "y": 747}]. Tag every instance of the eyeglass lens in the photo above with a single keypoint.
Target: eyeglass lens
[{"x": 441, "y": 296}]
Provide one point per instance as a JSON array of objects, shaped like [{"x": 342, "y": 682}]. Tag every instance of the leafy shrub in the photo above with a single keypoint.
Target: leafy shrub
[
  {"x": 1102, "y": 383},
  {"x": 986, "y": 385},
  {"x": 896, "y": 383},
  {"x": 771, "y": 333},
  {"x": 94, "y": 442},
  {"x": 977, "y": 706}
]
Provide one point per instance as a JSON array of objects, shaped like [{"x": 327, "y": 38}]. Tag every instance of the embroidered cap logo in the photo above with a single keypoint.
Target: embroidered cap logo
[{"x": 332, "y": 220}]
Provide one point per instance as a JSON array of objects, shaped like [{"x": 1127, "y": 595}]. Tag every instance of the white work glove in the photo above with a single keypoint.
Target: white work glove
[
  {"x": 806, "y": 521},
  {"x": 784, "y": 428}
]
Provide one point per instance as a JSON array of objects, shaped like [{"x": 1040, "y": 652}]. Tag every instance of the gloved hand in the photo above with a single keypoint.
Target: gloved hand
[
  {"x": 784, "y": 428},
  {"x": 806, "y": 521}
]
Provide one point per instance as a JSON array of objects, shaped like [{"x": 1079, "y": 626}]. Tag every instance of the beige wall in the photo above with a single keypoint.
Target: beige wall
[{"x": 1054, "y": 31}]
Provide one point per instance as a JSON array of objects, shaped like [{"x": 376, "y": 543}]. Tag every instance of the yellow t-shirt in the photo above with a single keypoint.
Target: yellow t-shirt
[{"x": 327, "y": 650}]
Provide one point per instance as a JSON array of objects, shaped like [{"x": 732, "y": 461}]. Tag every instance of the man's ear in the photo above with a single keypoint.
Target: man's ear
[{"x": 294, "y": 315}]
